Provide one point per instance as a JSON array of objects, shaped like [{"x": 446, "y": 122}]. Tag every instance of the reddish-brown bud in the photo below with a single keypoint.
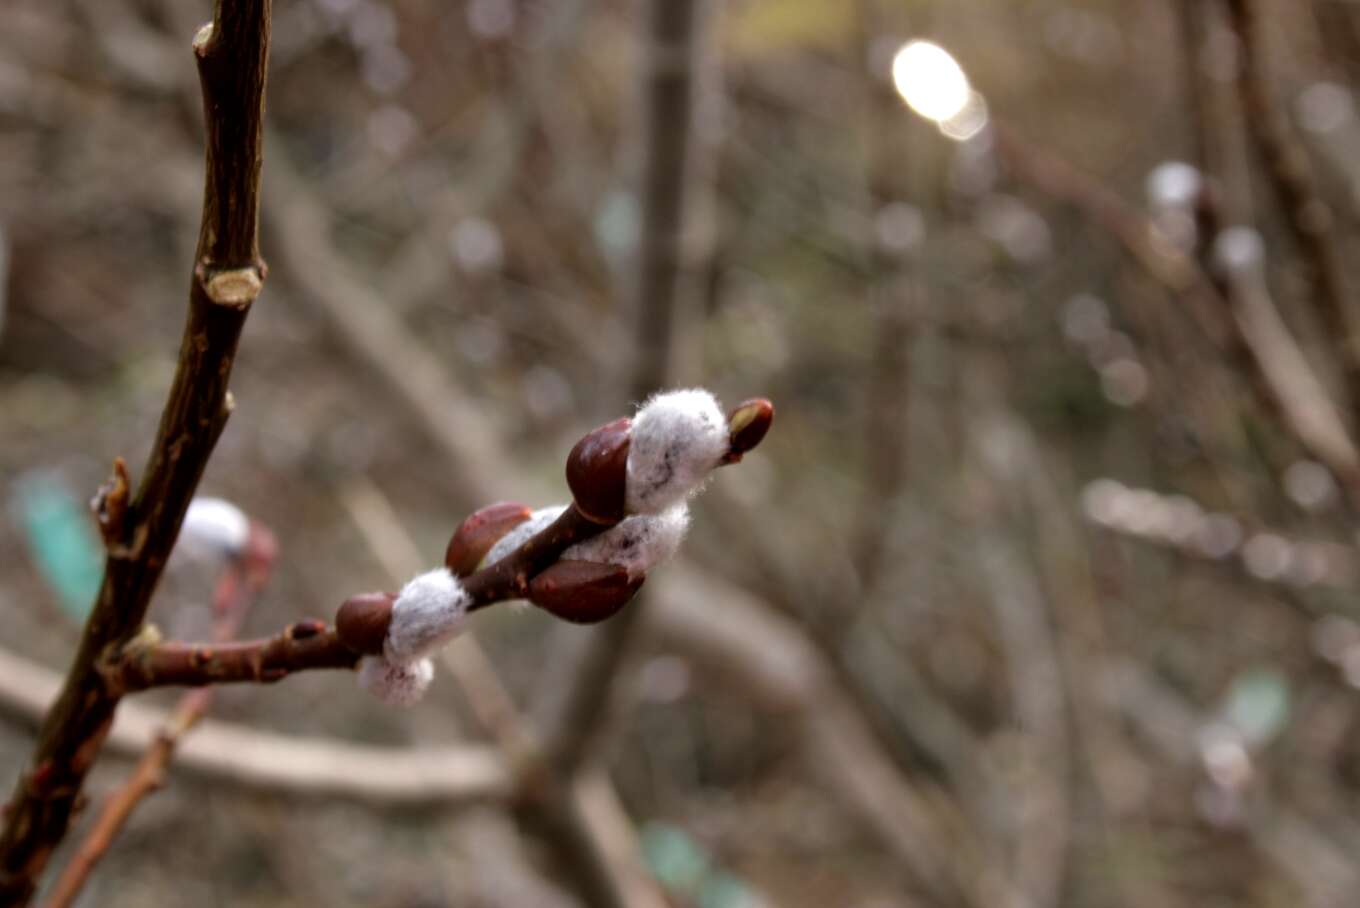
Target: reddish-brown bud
[
  {"x": 597, "y": 472},
  {"x": 746, "y": 426},
  {"x": 583, "y": 592},
  {"x": 361, "y": 624},
  {"x": 479, "y": 532}
]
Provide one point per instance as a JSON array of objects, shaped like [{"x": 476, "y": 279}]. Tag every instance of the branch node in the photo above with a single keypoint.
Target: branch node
[{"x": 235, "y": 288}]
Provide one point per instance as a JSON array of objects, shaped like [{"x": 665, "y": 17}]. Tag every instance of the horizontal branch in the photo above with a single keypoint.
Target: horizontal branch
[
  {"x": 309, "y": 645},
  {"x": 303, "y": 646}
]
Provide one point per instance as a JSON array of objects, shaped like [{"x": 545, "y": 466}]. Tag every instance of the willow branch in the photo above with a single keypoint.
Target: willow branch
[
  {"x": 147, "y": 662},
  {"x": 227, "y": 276}
]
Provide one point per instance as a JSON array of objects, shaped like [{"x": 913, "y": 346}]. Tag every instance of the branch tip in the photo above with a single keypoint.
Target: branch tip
[{"x": 201, "y": 39}]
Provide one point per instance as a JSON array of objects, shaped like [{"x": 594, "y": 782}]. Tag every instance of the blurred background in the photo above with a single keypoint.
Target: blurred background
[{"x": 1041, "y": 591}]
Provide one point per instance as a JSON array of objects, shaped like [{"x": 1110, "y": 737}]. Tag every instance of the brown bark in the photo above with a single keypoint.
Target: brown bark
[{"x": 227, "y": 276}]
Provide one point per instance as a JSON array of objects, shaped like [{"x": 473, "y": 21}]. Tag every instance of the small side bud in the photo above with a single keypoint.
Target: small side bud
[
  {"x": 583, "y": 592},
  {"x": 481, "y": 530},
  {"x": 747, "y": 426},
  {"x": 363, "y": 620},
  {"x": 597, "y": 472}
]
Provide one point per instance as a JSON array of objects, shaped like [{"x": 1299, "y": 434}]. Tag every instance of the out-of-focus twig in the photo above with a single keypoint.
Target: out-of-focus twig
[
  {"x": 1307, "y": 213},
  {"x": 232, "y": 754},
  {"x": 375, "y": 335},
  {"x": 1298, "y": 848},
  {"x": 677, "y": 30},
  {"x": 1294, "y": 390},
  {"x": 736, "y": 636}
]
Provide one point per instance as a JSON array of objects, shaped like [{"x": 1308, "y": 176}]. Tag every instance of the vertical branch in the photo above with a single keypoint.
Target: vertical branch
[
  {"x": 227, "y": 276},
  {"x": 676, "y": 29},
  {"x": 656, "y": 293},
  {"x": 891, "y": 289},
  {"x": 1309, "y": 217}
]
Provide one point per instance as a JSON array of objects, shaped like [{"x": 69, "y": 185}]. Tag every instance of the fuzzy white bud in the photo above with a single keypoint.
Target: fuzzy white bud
[
  {"x": 637, "y": 543},
  {"x": 213, "y": 529},
  {"x": 677, "y": 439},
  {"x": 430, "y": 610},
  {"x": 395, "y": 683}
]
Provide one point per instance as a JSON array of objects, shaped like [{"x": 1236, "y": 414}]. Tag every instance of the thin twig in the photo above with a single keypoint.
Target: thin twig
[
  {"x": 227, "y": 276},
  {"x": 1287, "y": 381}
]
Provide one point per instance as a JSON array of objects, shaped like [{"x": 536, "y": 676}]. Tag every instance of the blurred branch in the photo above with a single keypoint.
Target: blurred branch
[
  {"x": 233, "y": 754},
  {"x": 894, "y": 299},
  {"x": 1323, "y": 872},
  {"x": 661, "y": 300},
  {"x": 595, "y": 831},
  {"x": 228, "y": 273},
  {"x": 1043, "y": 816},
  {"x": 772, "y": 661},
  {"x": 1302, "y": 400},
  {"x": 377, "y": 337},
  {"x": 1295, "y": 391},
  {"x": 1308, "y": 215},
  {"x": 1162, "y": 261},
  {"x": 658, "y": 293}
]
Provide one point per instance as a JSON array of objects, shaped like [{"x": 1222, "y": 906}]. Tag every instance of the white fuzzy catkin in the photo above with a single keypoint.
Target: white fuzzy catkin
[
  {"x": 522, "y": 532},
  {"x": 395, "y": 683},
  {"x": 637, "y": 543},
  {"x": 430, "y": 610},
  {"x": 677, "y": 439},
  {"x": 213, "y": 529}
]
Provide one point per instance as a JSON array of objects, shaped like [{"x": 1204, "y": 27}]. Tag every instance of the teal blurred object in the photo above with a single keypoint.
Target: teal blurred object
[
  {"x": 722, "y": 890},
  {"x": 1258, "y": 704},
  {"x": 684, "y": 869},
  {"x": 62, "y": 540},
  {"x": 676, "y": 859}
]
